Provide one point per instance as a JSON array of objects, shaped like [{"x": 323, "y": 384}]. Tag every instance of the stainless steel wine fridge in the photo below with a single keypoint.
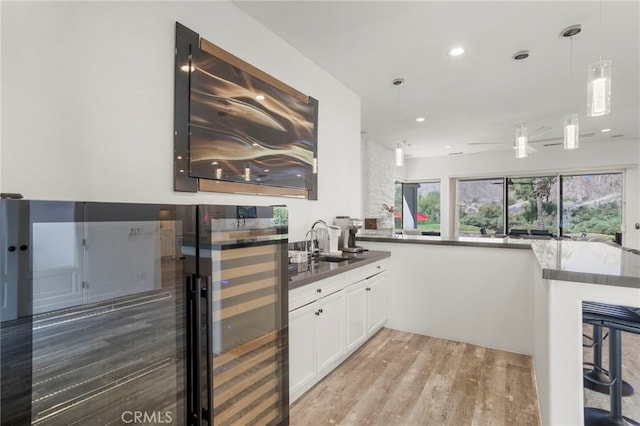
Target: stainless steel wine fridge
[{"x": 115, "y": 313}]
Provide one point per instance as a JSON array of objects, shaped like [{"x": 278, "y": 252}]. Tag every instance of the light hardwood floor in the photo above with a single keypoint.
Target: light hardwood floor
[{"x": 400, "y": 378}]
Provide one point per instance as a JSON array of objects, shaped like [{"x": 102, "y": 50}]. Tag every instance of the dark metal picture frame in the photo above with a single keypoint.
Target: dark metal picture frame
[{"x": 238, "y": 129}]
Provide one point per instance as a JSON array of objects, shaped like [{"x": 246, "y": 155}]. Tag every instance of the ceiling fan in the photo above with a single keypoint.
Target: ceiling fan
[
  {"x": 534, "y": 138},
  {"x": 560, "y": 140}
]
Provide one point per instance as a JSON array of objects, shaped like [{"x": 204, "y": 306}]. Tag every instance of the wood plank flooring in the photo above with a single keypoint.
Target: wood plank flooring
[{"x": 400, "y": 378}]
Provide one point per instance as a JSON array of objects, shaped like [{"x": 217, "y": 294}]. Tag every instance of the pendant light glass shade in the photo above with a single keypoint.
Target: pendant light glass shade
[
  {"x": 521, "y": 142},
  {"x": 399, "y": 156},
  {"x": 571, "y": 140},
  {"x": 599, "y": 89}
]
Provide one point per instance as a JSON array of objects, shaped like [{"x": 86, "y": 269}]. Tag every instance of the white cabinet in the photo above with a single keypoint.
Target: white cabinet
[
  {"x": 302, "y": 347},
  {"x": 356, "y": 304},
  {"x": 329, "y": 319},
  {"x": 330, "y": 329},
  {"x": 376, "y": 290},
  {"x": 316, "y": 341},
  {"x": 366, "y": 303}
]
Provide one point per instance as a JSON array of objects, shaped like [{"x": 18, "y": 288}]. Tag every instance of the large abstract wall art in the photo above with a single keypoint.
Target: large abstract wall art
[{"x": 247, "y": 132}]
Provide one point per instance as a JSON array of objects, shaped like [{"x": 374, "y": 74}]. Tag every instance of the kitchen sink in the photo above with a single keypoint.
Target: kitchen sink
[{"x": 330, "y": 258}]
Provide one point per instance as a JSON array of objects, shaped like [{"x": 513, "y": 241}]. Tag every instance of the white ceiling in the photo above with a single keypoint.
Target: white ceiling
[{"x": 471, "y": 102}]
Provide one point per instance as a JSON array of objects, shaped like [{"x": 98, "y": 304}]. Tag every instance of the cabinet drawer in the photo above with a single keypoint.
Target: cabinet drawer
[{"x": 314, "y": 291}]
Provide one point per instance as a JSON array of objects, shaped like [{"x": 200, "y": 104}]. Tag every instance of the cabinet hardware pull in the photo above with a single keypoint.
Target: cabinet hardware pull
[
  {"x": 319, "y": 290},
  {"x": 368, "y": 288},
  {"x": 12, "y": 248},
  {"x": 321, "y": 310},
  {"x": 24, "y": 247},
  {"x": 318, "y": 313}
]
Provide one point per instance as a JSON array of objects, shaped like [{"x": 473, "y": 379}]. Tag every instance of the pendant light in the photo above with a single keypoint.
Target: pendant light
[
  {"x": 399, "y": 82},
  {"x": 399, "y": 155},
  {"x": 521, "y": 141},
  {"x": 599, "y": 83},
  {"x": 571, "y": 139},
  {"x": 571, "y": 129}
]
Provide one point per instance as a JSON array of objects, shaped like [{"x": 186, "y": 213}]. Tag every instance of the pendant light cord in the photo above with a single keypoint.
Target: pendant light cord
[
  {"x": 570, "y": 68},
  {"x": 601, "y": 46},
  {"x": 522, "y": 88}
]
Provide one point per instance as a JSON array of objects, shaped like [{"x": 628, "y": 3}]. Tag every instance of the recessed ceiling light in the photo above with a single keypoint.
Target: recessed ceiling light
[
  {"x": 420, "y": 119},
  {"x": 605, "y": 130},
  {"x": 260, "y": 97},
  {"x": 456, "y": 51},
  {"x": 448, "y": 146}
]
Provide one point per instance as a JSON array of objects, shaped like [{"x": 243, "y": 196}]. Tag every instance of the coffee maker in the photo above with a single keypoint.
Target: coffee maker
[{"x": 347, "y": 240}]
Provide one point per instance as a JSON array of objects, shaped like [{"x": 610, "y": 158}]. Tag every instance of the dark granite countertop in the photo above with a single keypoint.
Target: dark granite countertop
[
  {"x": 315, "y": 271},
  {"x": 586, "y": 262},
  {"x": 489, "y": 241}
]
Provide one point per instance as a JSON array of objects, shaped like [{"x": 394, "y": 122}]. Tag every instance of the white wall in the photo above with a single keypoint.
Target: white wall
[
  {"x": 592, "y": 156},
  {"x": 87, "y": 104},
  {"x": 477, "y": 295}
]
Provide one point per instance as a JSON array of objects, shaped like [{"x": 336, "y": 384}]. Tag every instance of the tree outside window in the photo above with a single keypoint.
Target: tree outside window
[
  {"x": 417, "y": 206},
  {"x": 480, "y": 206},
  {"x": 576, "y": 206},
  {"x": 532, "y": 203}
]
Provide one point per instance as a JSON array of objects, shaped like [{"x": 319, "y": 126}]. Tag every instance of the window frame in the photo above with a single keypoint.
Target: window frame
[
  {"x": 416, "y": 182},
  {"x": 559, "y": 231}
]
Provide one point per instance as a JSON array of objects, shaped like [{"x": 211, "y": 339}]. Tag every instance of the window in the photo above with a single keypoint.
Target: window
[
  {"x": 428, "y": 214},
  {"x": 480, "y": 206},
  {"x": 592, "y": 204},
  {"x": 533, "y": 203},
  {"x": 397, "y": 207},
  {"x": 418, "y": 206},
  {"x": 585, "y": 205}
]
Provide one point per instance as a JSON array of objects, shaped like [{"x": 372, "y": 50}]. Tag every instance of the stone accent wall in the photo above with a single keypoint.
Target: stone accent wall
[{"x": 378, "y": 179}]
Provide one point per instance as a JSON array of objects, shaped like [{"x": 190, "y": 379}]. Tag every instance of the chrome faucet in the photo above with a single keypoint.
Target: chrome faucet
[
  {"x": 322, "y": 238},
  {"x": 309, "y": 243}
]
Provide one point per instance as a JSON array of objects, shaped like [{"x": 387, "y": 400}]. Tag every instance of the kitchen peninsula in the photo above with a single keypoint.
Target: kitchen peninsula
[{"x": 518, "y": 295}]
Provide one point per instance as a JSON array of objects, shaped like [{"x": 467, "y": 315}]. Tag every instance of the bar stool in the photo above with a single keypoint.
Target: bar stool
[
  {"x": 616, "y": 319},
  {"x": 596, "y": 378}
]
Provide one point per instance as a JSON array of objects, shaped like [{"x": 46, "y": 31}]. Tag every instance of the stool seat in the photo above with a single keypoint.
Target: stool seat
[{"x": 624, "y": 316}]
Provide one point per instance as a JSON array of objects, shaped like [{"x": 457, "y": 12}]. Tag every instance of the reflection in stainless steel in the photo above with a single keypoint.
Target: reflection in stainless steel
[
  {"x": 79, "y": 399},
  {"x": 88, "y": 313}
]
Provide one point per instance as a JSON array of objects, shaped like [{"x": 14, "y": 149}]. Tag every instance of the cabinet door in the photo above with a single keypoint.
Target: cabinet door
[
  {"x": 302, "y": 349},
  {"x": 356, "y": 304},
  {"x": 330, "y": 320},
  {"x": 376, "y": 288}
]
